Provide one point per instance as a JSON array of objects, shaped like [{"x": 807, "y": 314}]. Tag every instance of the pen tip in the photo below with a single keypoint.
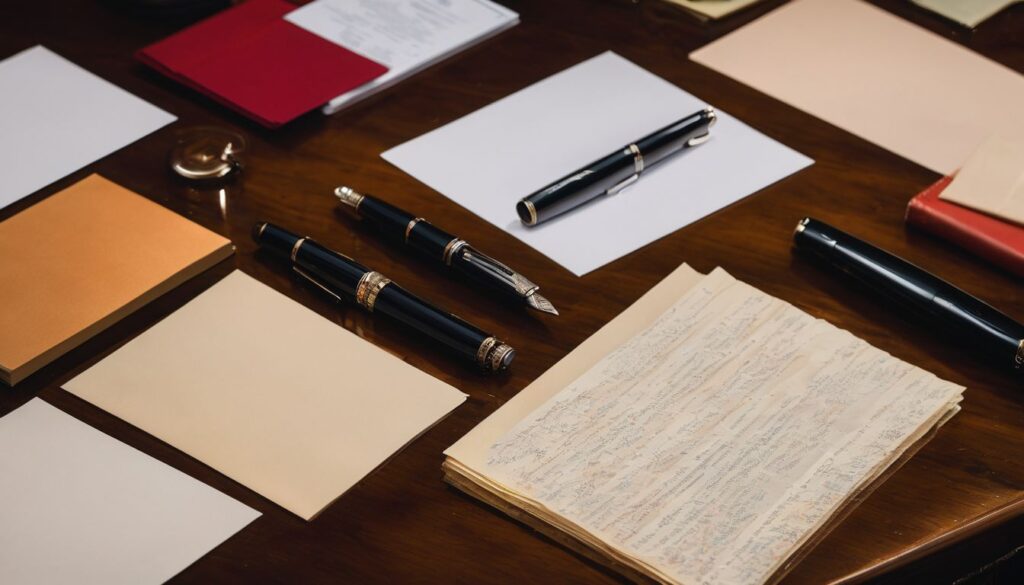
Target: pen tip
[{"x": 541, "y": 304}]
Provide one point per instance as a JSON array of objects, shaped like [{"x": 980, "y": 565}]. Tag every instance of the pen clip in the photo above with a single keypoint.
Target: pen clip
[
  {"x": 616, "y": 188},
  {"x": 699, "y": 139},
  {"x": 318, "y": 284}
]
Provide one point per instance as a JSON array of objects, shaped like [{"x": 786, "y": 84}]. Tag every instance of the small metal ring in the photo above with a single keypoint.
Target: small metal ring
[
  {"x": 412, "y": 224},
  {"x": 449, "y": 251},
  {"x": 295, "y": 248},
  {"x": 1019, "y": 359},
  {"x": 532, "y": 210},
  {"x": 369, "y": 287},
  {"x": 638, "y": 158},
  {"x": 484, "y": 349}
]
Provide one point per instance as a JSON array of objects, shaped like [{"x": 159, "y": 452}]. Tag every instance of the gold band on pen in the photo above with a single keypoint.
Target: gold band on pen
[
  {"x": 412, "y": 224},
  {"x": 498, "y": 356},
  {"x": 492, "y": 353},
  {"x": 295, "y": 248},
  {"x": 1018, "y": 360},
  {"x": 449, "y": 250},
  {"x": 484, "y": 350},
  {"x": 369, "y": 288},
  {"x": 533, "y": 211}
]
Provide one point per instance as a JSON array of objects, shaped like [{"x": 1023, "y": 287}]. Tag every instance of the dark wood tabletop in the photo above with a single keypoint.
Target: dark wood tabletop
[{"x": 952, "y": 508}]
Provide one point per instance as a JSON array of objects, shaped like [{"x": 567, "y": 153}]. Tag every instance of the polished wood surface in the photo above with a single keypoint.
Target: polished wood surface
[{"x": 952, "y": 508}]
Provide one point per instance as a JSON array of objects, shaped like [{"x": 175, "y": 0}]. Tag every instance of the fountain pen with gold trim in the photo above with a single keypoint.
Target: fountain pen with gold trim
[
  {"x": 452, "y": 251},
  {"x": 344, "y": 278}
]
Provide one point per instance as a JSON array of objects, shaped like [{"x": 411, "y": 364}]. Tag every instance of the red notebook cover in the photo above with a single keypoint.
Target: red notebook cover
[
  {"x": 252, "y": 60},
  {"x": 995, "y": 240}
]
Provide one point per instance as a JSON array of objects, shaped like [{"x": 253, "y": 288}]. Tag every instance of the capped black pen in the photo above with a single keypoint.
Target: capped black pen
[
  {"x": 947, "y": 307},
  {"x": 343, "y": 278},
  {"x": 616, "y": 171},
  {"x": 444, "y": 247}
]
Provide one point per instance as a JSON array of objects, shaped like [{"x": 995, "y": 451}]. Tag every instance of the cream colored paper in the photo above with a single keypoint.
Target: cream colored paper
[
  {"x": 79, "y": 507},
  {"x": 712, "y": 445},
  {"x": 969, "y": 13},
  {"x": 713, "y": 9},
  {"x": 471, "y": 450},
  {"x": 873, "y": 74},
  {"x": 269, "y": 393},
  {"x": 992, "y": 180}
]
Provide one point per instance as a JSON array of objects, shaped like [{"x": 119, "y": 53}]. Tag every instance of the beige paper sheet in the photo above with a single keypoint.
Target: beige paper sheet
[
  {"x": 969, "y": 13},
  {"x": 873, "y": 74},
  {"x": 269, "y": 393},
  {"x": 992, "y": 180},
  {"x": 713, "y": 9},
  {"x": 75, "y": 263}
]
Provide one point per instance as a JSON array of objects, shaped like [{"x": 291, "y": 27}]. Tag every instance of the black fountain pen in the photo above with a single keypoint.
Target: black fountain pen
[
  {"x": 618, "y": 170},
  {"x": 444, "y": 247},
  {"x": 947, "y": 307},
  {"x": 344, "y": 278}
]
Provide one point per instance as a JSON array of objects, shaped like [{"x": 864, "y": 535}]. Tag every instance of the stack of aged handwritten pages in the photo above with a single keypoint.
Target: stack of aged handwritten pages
[{"x": 709, "y": 434}]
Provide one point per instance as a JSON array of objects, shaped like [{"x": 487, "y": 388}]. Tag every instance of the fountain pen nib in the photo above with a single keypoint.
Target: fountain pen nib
[{"x": 541, "y": 304}]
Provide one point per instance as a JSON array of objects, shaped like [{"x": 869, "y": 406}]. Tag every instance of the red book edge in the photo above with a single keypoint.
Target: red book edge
[
  {"x": 159, "y": 67},
  {"x": 992, "y": 239}
]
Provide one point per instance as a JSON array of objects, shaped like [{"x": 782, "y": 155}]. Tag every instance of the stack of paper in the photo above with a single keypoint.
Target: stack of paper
[
  {"x": 77, "y": 506},
  {"x": 77, "y": 262},
  {"x": 709, "y": 434},
  {"x": 406, "y": 36}
]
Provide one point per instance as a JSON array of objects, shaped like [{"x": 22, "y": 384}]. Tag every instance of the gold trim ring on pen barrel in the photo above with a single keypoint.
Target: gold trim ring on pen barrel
[
  {"x": 533, "y": 211},
  {"x": 1018, "y": 360},
  {"x": 369, "y": 288},
  {"x": 412, "y": 224},
  {"x": 484, "y": 349},
  {"x": 492, "y": 355},
  {"x": 295, "y": 248},
  {"x": 449, "y": 251}
]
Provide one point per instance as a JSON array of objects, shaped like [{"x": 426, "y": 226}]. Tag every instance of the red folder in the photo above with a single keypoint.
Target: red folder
[
  {"x": 995, "y": 240},
  {"x": 252, "y": 60}
]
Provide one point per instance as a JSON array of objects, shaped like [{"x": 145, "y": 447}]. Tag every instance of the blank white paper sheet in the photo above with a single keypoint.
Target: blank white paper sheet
[
  {"x": 56, "y": 117},
  {"x": 78, "y": 506},
  {"x": 492, "y": 158}
]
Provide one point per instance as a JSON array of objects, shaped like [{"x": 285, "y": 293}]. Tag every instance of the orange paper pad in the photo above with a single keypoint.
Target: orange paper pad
[{"x": 82, "y": 259}]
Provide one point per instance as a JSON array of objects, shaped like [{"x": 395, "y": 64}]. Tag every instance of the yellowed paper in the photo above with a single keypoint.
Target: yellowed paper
[
  {"x": 713, "y": 444},
  {"x": 969, "y": 13},
  {"x": 875, "y": 75},
  {"x": 713, "y": 9},
  {"x": 472, "y": 448},
  {"x": 992, "y": 180},
  {"x": 268, "y": 393}
]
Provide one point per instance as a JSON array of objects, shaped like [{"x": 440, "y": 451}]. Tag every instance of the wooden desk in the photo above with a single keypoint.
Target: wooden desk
[{"x": 402, "y": 524}]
